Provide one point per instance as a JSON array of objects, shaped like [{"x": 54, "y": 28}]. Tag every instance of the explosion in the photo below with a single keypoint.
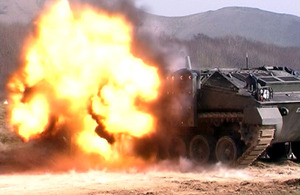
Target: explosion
[{"x": 79, "y": 75}]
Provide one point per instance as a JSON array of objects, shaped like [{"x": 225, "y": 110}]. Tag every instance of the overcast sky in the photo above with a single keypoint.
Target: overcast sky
[{"x": 187, "y": 7}]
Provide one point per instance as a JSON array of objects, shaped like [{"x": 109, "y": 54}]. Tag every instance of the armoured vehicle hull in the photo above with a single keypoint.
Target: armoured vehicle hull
[{"x": 234, "y": 115}]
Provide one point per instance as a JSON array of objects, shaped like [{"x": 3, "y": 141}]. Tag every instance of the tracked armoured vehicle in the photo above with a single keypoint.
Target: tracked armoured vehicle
[{"x": 234, "y": 115}]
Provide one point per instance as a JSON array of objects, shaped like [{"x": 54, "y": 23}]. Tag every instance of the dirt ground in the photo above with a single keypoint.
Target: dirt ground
[
  {"x": 163, "y": 178},
  {"x": 19, "y": 175}
]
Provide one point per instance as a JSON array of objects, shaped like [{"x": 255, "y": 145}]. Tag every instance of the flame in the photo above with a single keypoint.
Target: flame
[{"x": 80, "y": 70}]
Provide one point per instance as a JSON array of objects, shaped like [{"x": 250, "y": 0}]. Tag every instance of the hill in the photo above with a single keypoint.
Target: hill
[
  {"x": 251, "y": 23},
  {"x": 212, "y": 39}
]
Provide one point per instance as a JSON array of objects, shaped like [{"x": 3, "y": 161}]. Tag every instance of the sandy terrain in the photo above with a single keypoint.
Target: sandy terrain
[
  {"x": 262, "y": 178},
  {"x": 181, "y": 177},
  {"x": 23, "y": 171}
]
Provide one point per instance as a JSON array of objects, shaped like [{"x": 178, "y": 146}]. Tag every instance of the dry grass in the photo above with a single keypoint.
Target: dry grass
[{"x": 7, "y": 137}]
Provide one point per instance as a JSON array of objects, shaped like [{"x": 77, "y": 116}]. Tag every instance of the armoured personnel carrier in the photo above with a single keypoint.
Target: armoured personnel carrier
[{"x": 234, "y": 115}]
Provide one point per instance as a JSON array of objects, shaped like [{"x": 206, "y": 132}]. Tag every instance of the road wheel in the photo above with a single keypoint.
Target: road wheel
[
  {"x": 296, "y": 149},
  {"x": 276, "y": 151},
  {"x": 226, "y": 150},
  {"x": 199, "y": 149}
]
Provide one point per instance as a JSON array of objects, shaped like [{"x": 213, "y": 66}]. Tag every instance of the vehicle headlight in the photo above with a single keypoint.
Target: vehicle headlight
[{"x": 264, "y": 94}]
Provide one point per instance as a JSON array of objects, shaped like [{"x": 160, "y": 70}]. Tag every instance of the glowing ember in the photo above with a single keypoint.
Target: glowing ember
[{"x": 80, "y": 71}]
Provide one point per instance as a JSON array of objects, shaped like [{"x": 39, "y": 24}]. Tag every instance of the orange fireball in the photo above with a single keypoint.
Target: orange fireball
[{"x": 80, "y": 69}]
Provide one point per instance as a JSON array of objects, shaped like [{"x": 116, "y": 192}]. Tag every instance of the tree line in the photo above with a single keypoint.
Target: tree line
[
  {"x": 204, "y": 51},
  {"x": 231, "y": 51}
]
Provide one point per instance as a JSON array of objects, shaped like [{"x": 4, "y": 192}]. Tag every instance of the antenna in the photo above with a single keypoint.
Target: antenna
[
  {"x": 188, "y": 62},
  {"x": 247, "y": 61}
]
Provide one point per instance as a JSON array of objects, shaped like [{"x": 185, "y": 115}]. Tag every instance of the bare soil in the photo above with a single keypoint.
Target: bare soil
[
  {"x": 260, "y": 178},
  {"x": 20, "y": 174}
]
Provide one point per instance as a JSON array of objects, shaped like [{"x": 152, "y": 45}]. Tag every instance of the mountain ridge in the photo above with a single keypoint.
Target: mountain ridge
[{"x": 251, "y": 23}]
